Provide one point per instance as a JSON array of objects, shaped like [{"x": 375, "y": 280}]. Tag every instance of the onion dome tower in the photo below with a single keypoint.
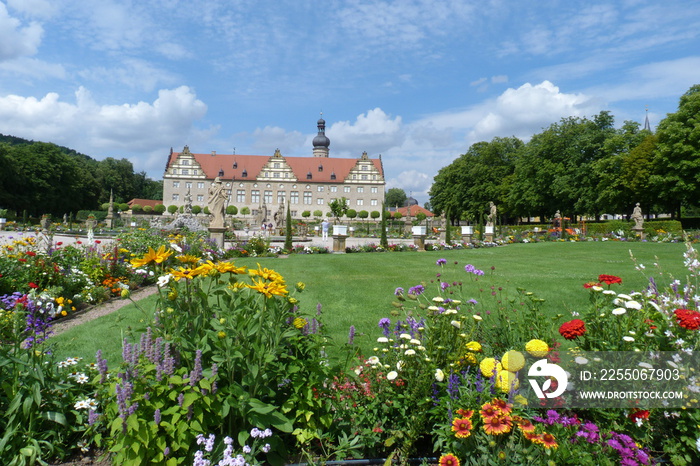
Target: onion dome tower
[{"x": 321, "y": 141}]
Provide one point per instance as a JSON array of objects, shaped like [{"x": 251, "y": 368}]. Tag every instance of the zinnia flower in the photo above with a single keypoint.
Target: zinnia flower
[
  {"x": 572, "y": 329},
  {"x": 449, "y": 460},
  {"x": 688, "y": 319},
  {"x": 392, "y": 375},
  {"x": 609, "y": 279}
]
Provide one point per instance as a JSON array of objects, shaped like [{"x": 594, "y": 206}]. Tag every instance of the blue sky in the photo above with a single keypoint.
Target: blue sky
[{"x": 417, "y": 81}]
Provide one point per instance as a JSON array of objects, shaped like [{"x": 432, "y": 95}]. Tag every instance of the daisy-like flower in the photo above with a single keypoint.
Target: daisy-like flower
[
  {"x": 619, "y": 311},
  {"x": 81, "y": 378},
  {"x": 465, "y": 413},
  {"x": 268, "y": 288},
  {"x": 164, "y": 280},
  {"x": 477, "y": 317},
  {"x": 392, "y": 375},
  {"x": 548, "y": 441},
  {"x": 633, "y": 305},
  {"x": 87, "y": 403},
  {"x": 410, "y": 352},
  {"x": 503, "y": 406},
  {"x": 525, "y": 425},
  {"x": 382, "y": 340},
  {"x": 497, "y": 425},
  {"x": 462, "y": 427},
  {"x": 626, "y": 338},
  {"x": 488, "y": 411},
  {"x": 152, "y": 256},
  {"x": 448, "y": 460},
  {"x": 439, "y": 375}
]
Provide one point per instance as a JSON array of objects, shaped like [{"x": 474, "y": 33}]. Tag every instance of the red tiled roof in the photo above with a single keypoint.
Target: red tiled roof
[
  {"x": 144, "y": 202},
  {"x": 414, "y": 211},
  {"x": 253, "y": 165}
]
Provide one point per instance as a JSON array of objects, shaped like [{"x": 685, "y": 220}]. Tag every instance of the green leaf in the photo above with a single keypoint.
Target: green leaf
[{"x": 54, "y": 416}]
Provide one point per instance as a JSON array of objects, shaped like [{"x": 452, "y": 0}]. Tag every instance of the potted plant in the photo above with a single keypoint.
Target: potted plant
[{"x": 339, "y": 207}]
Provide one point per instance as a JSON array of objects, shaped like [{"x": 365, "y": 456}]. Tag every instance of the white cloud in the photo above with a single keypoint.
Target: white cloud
[
  {"x": 374, "y": 132},
  {"x": 134, "y": 73},
  {"x": 37, "y": 8},
  {"x": 97, "y": 129},
  {"x": 31, "y": 69},
  {"x": 17, "y": 40},
  {"x": 269, "y": 138}
]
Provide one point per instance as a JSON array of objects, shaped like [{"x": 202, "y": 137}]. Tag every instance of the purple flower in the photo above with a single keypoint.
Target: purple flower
[
  {"x": 351, "y": 335},
  {"x": 441, "y": 262},
  {"x": 398, "y": 291},
  {"x": 196, "y": 373},
  {"x": 156, "y": 416},
  {"x": 444, "y": 285},
  {"x": 416, "y": 290}
]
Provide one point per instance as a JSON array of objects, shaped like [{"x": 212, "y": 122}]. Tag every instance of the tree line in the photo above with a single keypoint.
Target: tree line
[
  {"x": 44, "y": 178},
  {"x": 581, "y": 167}
]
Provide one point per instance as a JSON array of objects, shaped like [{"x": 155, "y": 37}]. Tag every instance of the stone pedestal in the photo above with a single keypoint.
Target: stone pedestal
[
  {"x": 217, "y": 235},
  {"x": 488, "y": 234},
  {"x": 639, "y": 232},
  {"x": 419, "y": 241},
  {"x": 467, "y": 233},
  {"x": 442, "y": 235},
  {"x": 339, "y": 243}
]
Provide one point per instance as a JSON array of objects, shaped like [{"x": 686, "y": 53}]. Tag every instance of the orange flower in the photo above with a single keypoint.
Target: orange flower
[
  {"x": 466, "y": 413},
  {"x": 498, "y": 425},
  {"x": 525, "y": 425},
  {"x": 488, "y": 411},
  {"x": 462, "y": 427},
  {"x": 533, "y": 437},
  {"x": 501, "y": 405},
  {"x": 449, "y": 460},
  {"x": 548, "y": 441}
]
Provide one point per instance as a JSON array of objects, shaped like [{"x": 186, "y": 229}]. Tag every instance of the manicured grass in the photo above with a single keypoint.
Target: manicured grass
[{"x": 358, "y": 289}]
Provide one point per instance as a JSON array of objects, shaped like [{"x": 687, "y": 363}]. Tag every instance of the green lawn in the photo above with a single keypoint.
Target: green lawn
[{"x": 358, "y": 289}]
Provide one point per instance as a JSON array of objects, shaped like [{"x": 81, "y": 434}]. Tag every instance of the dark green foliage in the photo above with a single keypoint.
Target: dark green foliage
[{"x": 288, "y": 230}]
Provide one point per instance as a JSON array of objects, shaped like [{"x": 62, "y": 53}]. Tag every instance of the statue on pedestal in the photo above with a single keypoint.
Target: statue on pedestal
[
  {"x": 638, "y": 217},
  {"x": 217, "y": 201},
  {"x": 491, "y": 217}
]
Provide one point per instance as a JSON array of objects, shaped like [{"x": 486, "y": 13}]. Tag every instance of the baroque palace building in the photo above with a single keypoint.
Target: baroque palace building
[{"x": 265, "y": 184}]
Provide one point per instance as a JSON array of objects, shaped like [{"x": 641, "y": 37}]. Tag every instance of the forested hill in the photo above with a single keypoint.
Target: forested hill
[{"x": 43, "y": 178}]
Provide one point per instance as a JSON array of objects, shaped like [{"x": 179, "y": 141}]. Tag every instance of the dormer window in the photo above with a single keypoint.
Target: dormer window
[
  {"x": 309, "y": 176},
  {"x": 333, "y": 176},
  {"x": 221, "y": 173},
  {"x": 320, "y": 168},
  {"x": 245, "y": 173},
  {"x": 235, "y": 165}
]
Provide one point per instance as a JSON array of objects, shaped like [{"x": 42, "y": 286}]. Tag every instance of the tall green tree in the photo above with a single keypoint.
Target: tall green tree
[
  {"x": 395, "y": 197},
  {"x": 676, "y": 178}
]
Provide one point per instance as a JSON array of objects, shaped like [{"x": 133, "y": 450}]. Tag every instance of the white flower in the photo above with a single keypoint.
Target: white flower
[
  {"x": 433, "y": 308},
  {"x": 697, "y": 444},
  {"x": 581, "y": 360},
  {"x": 399, "y": 365},
  {"x": 619, "y": 311},
  {"x": 176, "y": 247},
  {"x": 414, "y": 341},
  {"x": 624, "y": 296},
  {"x": 456, "y": 323},
  {"x": 87, "y": 403},
  {"x": 392, "y": 375},
  {"x": 373, "y": 360},
  {"x": 597, "y": 288},
  {"x": 477, "y": 317},
  {"x": 382, "y": 340},
  {"x": 405, "y": 336},
  {"x": 628, "y": 338},
  {"x": 609, "y": 292},
  {"x": 439, "y": 375},
  {"x": 409, "y": 352},
  {"x": 456, "y": 302},
  {"x": 438, "y": 299},
  {"x": 164, "y": 280},
  {"x": 358, "y": 370},
  {"x": 645, "y": 365},
  {"x": 633, "y": 305}
]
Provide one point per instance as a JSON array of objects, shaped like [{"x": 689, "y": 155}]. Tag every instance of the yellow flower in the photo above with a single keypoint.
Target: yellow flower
[
  {"x": 300, "y": 322},
  {"x": 513, "y": 361},
  {"x": 182, "y": 272},
  {"x": 537, "y": 348},
  {"x": 152, "y": 256},
  {"x": 488, "y": 366},
  {"x": 505, "y": 380},
  {"x": 221, "y": 334},
  {"x": 300, "y": 286},
  {"x": 269, "y": 288},
  {"x": 188, "y": 259},
  {"x": 474, "y": 346},
  {"x": 292, "y": 300},
  {"x": 229, "y": 267},
  {"x": 267, "y": 274},
  {"x": 468, "y": 359}
]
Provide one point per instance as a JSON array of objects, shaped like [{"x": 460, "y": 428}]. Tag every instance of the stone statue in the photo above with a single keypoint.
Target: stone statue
[
  {"x": 493, "y": 212},
  {"x": 280, "y": 216},
  {"x": 188, "y": 202},
  {"x": 637, "y": 217},
  {"x": 557, "y": 219},
  {"x": 217, "y": 199}
]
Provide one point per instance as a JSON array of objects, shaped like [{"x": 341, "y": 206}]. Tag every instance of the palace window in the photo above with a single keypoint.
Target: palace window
[
  {"x": 360, "y": 189},
  {"x": 268, "y": 197},
  {"x": 294, "y": 197},
  {"x": 255, "y": 196},
  {"x": 307, "y": 197},
  {"x": 200, "y": 185},
  {"x": 240, "y": 196},
  {"x": 281, "y": 196}
]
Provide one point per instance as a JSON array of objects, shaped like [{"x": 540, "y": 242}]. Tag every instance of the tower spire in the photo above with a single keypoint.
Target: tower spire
[
  {"x": 321, "y": 142},
  {"x": 647, "y": 126}
]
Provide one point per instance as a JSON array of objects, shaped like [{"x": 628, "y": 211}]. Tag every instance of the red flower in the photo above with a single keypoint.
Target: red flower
[
  {"x": 97, "y": 241},
  {"x": 572, "y": 329},
  {"x": 639, "y": 414},
  {"x": 609, "y": 279},
  {"x": 59, "y": 243},
  {"x": 33, "y": 285},
  {"x": 31, "y": 253},
  {"x": 590, "y": 284},
  {"x": 688, "y": 319},
  {"x": 22, "y": 260}
]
